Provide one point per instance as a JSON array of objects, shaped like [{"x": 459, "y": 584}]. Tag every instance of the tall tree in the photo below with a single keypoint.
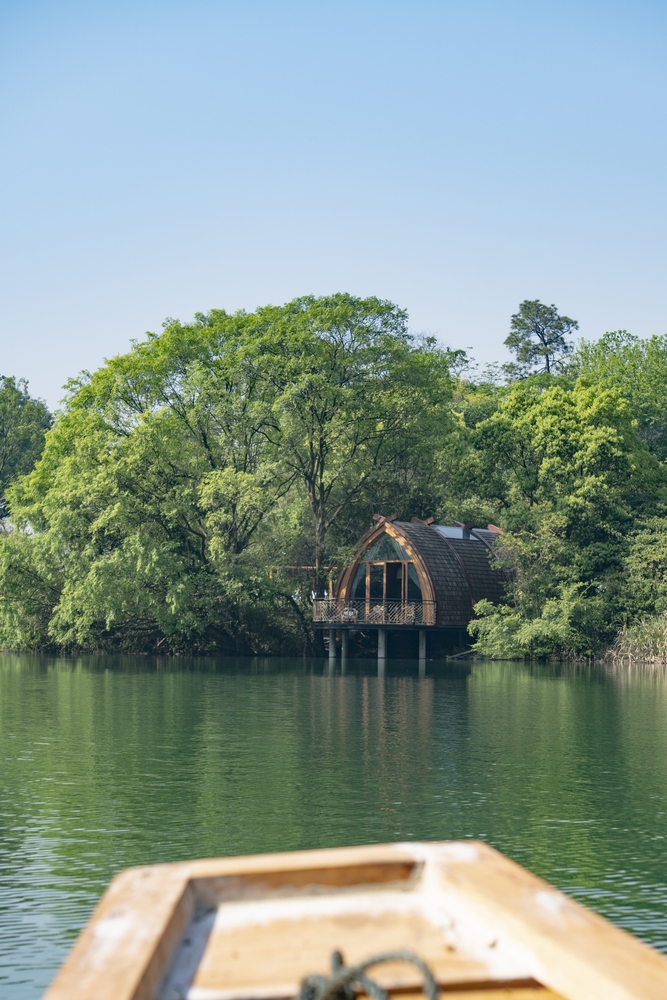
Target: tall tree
[
  {"x": 351, "y": 393},
  {"x": 639, "y": 369},
  {"x": 569, "y": 478},
  {"x": 151, "y": 486},
  {"x": 537, "y": 338},
  {"x": 147, "y": 508},
  {"x": 23, "y": 424}
]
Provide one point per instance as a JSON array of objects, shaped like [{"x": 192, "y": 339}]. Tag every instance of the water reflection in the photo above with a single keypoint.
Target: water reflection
[{"x": 109, "y": 762}]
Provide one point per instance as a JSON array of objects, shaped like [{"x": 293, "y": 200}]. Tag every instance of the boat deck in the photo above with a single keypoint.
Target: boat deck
[{"x": 252, "y": 928}]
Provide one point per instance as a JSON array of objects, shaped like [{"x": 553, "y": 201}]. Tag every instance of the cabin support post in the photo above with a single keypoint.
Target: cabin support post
[
  {"x": 422, "y": 652},
  {"x": 382, "y": 644},
  {"x": 332, "y": 645},
  {"x": 344, "y": 644}
]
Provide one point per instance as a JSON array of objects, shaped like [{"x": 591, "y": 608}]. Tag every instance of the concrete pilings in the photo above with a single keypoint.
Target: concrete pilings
[{"x": 382, "y": 650}]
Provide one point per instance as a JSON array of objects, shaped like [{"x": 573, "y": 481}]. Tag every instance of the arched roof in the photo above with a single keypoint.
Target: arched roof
[{"x": 454, "y": 565}]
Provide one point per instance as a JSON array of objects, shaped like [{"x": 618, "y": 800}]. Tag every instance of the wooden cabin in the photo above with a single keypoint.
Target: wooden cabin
[{"x": 413, "y": 576}]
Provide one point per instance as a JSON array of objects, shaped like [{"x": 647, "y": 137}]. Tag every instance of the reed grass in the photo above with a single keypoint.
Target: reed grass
[{"x": 646, "y": 640}]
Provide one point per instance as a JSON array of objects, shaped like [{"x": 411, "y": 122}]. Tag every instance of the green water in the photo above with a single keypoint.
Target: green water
[{"x": 115, "y": 762}]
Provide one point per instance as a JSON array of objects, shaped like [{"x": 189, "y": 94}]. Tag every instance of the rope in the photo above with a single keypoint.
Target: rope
[{"x": 339, "y": 986}]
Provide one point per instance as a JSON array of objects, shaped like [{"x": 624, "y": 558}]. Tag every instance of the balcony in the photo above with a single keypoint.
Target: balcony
[{"x": 357, "y": 614}]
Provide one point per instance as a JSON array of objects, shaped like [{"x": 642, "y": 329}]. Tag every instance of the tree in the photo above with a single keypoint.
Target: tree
[
  {"x": 537, "y": 337},
  {"x": 639, "y": 369},
  {"x": 152, "y": 484},
  {"x": 354, "y": 400},
  {"x": 23, "y": 424},
  {"x": 645, "y": 569},
  {"x": 570, "y": 479},
  {"x": 142, "y": 527}
]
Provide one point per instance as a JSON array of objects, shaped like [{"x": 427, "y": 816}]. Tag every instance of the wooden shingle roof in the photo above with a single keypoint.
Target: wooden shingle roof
[{"x": 461, "y": 569}]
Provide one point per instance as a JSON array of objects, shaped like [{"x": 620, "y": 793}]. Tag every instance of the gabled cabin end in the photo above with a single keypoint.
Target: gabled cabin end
[{"x": 414, "y": 575}]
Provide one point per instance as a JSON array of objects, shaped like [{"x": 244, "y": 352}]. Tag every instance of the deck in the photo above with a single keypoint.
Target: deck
[{"x": 339, "y": 613}]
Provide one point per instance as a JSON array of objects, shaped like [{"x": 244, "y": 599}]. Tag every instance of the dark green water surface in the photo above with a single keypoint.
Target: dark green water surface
[{"x": 114, "y": 762}]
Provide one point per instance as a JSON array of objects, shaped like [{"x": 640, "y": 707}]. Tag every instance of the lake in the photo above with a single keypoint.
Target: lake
[{"x": 109, "y": 762}]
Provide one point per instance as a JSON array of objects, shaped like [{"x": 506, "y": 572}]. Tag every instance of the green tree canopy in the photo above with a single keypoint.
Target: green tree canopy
[
  {"x": 23, "y": 423},
  {"x": 537, "y": 338},
  {"x": 354, "y": 399},
  {"x": 570, "y": 476},
  {"x": 150, "y": 502},
  {"x": 638, "y": 368},
  {"x": 153, "y": 481},
  {"x": 180, "y": 472}
]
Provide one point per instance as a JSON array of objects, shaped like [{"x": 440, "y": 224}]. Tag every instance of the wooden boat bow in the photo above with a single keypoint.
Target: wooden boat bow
[{"x": 251, "y": 928}]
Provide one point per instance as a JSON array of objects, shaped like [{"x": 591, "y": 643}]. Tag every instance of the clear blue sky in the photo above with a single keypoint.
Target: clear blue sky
[{"x": 163, "y": 158}]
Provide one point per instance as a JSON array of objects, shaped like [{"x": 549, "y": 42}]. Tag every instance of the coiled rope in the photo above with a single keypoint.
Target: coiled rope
[{"x": 344, "y": 978}]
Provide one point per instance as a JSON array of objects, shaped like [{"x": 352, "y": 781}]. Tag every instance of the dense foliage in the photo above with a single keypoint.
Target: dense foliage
[
  {"x": 23, "y": 423},
  {"x": 177, "y": 473},
  {"x": 180, "y": 477},
  {"x": 570, "y": 479}
]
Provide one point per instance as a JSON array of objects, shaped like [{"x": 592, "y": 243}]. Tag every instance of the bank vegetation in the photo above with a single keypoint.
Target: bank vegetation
[{"x": 159, "y": 509}]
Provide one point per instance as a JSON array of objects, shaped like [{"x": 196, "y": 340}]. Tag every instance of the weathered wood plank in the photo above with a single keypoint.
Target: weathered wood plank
[
  {"x": 574, "y": 951},
  {"x": 478, "y": 919},
  {"x": 124, "y": 949}
]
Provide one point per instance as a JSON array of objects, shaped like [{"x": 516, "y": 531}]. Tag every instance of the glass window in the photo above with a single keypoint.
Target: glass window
[
  {"x": 358, "y": 592},
  {"x": 414, "y": 590},
  {"x": 377, "y": 582},
  {"x": 394, "y": 581},
  {"x": 385, "y": 550}
]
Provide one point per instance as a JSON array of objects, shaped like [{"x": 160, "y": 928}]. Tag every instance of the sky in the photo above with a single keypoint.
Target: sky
[{"x": 159, "y": 159}]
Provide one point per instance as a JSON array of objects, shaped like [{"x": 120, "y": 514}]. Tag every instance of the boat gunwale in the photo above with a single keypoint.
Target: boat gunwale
[{"x": 127, "y": 946}]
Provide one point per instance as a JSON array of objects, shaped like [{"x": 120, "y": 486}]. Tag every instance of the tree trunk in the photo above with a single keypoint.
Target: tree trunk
[{"x": 320, "y": 575}]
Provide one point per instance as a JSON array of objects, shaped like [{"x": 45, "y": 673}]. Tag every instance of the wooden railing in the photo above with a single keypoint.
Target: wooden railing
[{"x": 332, "y": 611}]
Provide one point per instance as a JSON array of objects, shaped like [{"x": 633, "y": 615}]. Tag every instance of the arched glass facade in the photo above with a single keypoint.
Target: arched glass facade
[{"x": 386, "y": 573}]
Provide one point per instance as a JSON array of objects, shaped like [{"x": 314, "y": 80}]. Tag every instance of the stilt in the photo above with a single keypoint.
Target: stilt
[
  {"x": 332, "y": 645},
  {"x": 422, "y": 652},
  {"x": 382, "y": 651},
  {"x": 344, "y": 643}
]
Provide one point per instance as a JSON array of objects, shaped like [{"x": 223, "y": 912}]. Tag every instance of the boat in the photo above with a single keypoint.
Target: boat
[{"x": 455, "y": 920}]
